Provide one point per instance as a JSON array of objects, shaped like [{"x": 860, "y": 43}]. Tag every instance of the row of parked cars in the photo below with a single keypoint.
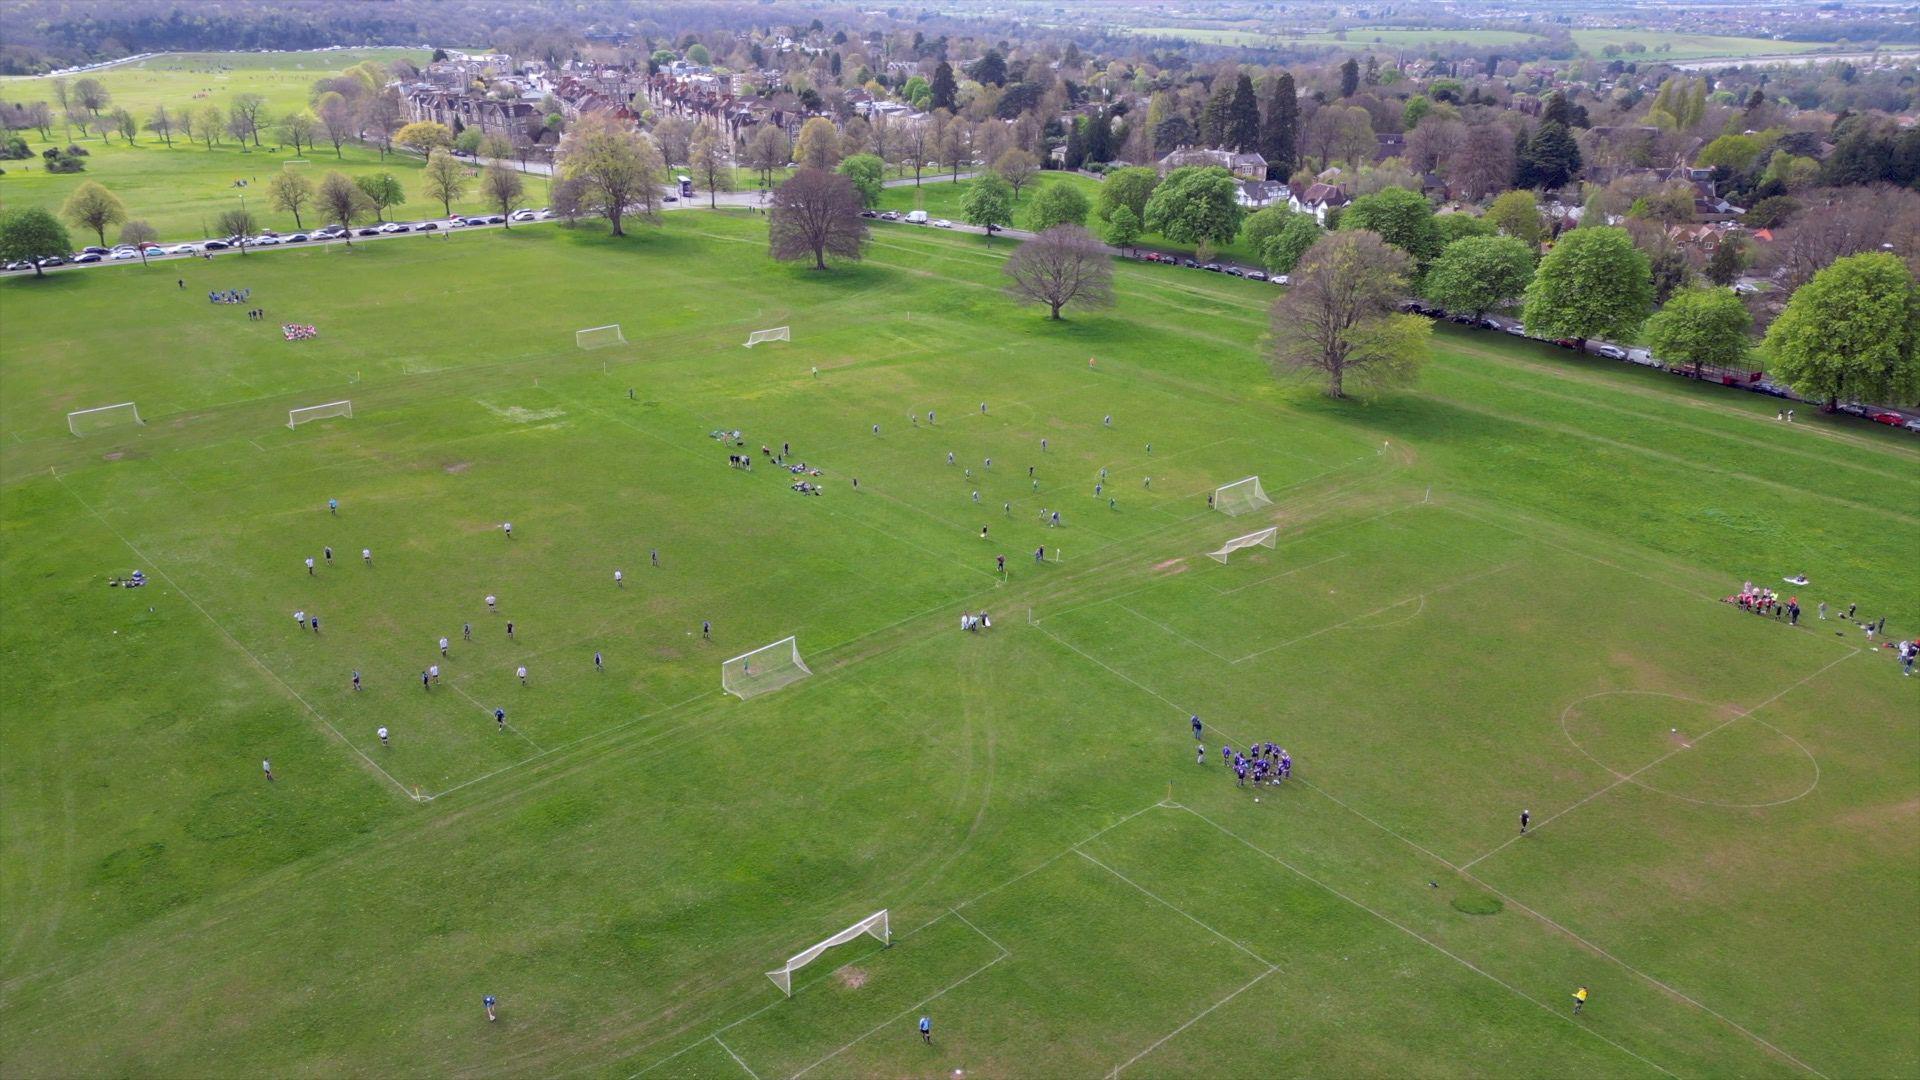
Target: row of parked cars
[
  {"x": 1219, "y": 268},
  {"x": 94, "y": 253},
  {"x": 911, "y": 217}
]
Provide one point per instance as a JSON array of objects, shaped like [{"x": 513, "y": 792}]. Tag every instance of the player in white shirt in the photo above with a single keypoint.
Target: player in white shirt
[
  {"x": 619, "y": 579},
  {"x": 366, "y": 556},
  {"x": 434, "y": 671},
  {"x": 309, "y": 566},
  {"x": 443, "y": 646},
  {"x": 508, "y": 526},
  {"x": 489, "y": 601},
  {"x": 522, "y": 672},
  {"x": 383, "y": 737}
]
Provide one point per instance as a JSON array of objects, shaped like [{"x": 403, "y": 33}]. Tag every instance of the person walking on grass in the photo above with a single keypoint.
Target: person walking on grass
[
  {"x": 1194, "y": 720},
  {"x": 356, "y": 680},
  {"x": 1525, "y": 817},
  {"x": 500, "y": 718},
  {"x": 598, "y": 665},
  {"x": 267, "y": 768},
  {"x": 926, "y": 1022},
  {"x": 309, "y": 566},
  {"x": 489, "y": 1003},
  {"x": 1579, "y": 999},
  {"x": 443, "y": 646},
  {"x": 383, "y": 737}
]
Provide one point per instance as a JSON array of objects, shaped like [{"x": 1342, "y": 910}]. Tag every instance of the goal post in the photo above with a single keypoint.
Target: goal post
[
  {"x": 778, "y": 333},
  {"x": 599, "y": 337},
  {"x": 1264, "y": 538},
  {"x": 296, "y": 417},
  {"x": 874, "y": 925},
  {"x": 763, "y": 670},
  {"x": 82, "y": 421},
  {"x": 1240, "y": 497}
]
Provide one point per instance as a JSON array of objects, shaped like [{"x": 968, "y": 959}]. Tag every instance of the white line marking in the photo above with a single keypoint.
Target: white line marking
[
  {"x": 1454, "y": 584},
  {"x": 908, "y": 1011},
  {"x": 736, "y": 1057},
  {"x": 1281, "y": 574},
  {"x": 489, "y": 712},
  {"x": 1202, "y": 1015},
  {"x": 1177, "y": 909},
  {"x": 1175, "y": 633}
]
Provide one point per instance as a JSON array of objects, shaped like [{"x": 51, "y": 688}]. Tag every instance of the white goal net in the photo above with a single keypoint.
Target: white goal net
[
  {"x": 1240, "y": 497},
  {"x": 1264, "y": 538},
  {"x": 874, "y": 925},
  {"x": 778, "y": 333},
  {"x": 765, "y": 669},
  {"x": 599, "y": 337},
  {"x": 106, "y": 416},
  {"x": 296, "y": 417}
]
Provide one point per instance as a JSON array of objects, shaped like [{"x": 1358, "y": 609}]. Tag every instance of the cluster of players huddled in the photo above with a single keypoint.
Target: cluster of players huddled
[{"x": 1263, "y": 763}]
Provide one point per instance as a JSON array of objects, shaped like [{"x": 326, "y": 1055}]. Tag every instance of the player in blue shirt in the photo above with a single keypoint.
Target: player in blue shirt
[
  {"x": 500, "y": 717},
  {"x": 1226, "y": 755},
  {"x": 488, "y": 1002},
  {"x": 1195, "y": 721},
  {"x": 926, "y": 1022}
]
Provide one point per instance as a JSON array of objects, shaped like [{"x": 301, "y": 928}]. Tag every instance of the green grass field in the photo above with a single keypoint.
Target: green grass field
[
  {"x": 1487, "y": 594},
  {"x": 1691, "y": 46},
  {"x": 182, "y": 80},
  {"x": 1590, "y": 42}
]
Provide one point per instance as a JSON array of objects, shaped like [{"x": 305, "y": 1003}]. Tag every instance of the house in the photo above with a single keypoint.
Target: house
[
  {"x": 1244, "y": 166},
  {"x": 1389, "y": 144},
  {"x": 1255, "y": 194},
  {"x": 1317, "y": 199},
  {"x": 1716, "y": 209}
]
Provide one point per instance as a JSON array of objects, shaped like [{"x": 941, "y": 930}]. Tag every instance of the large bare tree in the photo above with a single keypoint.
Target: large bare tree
[
  {"x": 816, "y": 213},
  {"x": 1337, "y": 321},
  {"x": 1063, "y": 265}
]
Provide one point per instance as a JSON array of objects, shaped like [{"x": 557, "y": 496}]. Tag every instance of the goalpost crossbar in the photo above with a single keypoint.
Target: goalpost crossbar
[
  {"x": 778, "y": 333},
  {"x": 596, "y": 337},
  {"x": 74, "y": 418},
  {"x": 296, "y": 417},
  {"x": 874, "y": 925},
  {"x": 1240, "y": 496},
  {"x": 1265, "y": 538},
  {"x": 763, "y": 670}
]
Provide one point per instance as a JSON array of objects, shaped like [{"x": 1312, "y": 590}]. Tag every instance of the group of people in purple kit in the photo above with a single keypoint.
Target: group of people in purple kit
[{"x": 1263, "y": 763}]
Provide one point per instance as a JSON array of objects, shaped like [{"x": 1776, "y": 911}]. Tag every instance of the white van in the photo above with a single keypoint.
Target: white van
[{"x": 916, "y": 217}]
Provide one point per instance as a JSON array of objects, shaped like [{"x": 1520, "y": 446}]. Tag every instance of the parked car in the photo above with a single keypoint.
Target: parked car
[
  {"x": 1236, "y": 271},
  {"x": 19, "y": 264},
  {"x": 543, "y": 214},
  {"x": 93, "y": 249},
  {"x": 329, "y": 232},
  {"x": 1611, "y": 352},
  {"x": 869, "y": 214},
  {"x": 1189, "y": 264},
  {"x": 371, "y": 230},
  {"x": 1769, "y": 388},
  {"x": 943, "y": 223},
  {"x": 1891, "y": 419},
  {"x": 428, "y": 226},
  {"x": 394, "y": 227},
  {"x": 88, "y": 257},
  {"x": 1853, "y": 408},
  {"x": 211, "y": 245},
  {"x": 1281, "y": 279},
  {"x": 1215, "y": 267},
  {"x": 264, "y": 240},
  {"x": 1256, "y": 275},
  {"x": 916, "y": 217},
  {"x": 520, "y": 215},
  {"x": 52, "y": 260},
  {"x": 125, "y": 253},
  {"x": 890, "y": 215},
  {"x": 669, "y": 198},
  {"x": 298, "y": 238},
  {"x": 182, "y": 249},
  {"x": 1912, "y": 425},
  {"x": 497, "y": 219},
  {"x": 1516, "y": 330}
]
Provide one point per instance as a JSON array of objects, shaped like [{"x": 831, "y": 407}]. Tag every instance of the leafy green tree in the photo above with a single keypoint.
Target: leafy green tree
[
  {"x": 1417, "y": 108},
  {"x": 868, "y": 174},
  {"x": 1552, "y": 158},
  {"x": 698, "y": 54},
  {"x": 1123, "y": 228},
  {"x": 1700, "y": 328},
  {"x": 94, "y": 207},
  {"x": 988, "y": 203},
  {"x": 423, "y": 137},
  {"x": 1282, "y": 251},
  {"x": 1479, "y": 273},
  {"x": 1594, "y": 284},
  {"x": 1130, "y": 187},
  {"x": 1851, "y": 332},
  {"x": 1517, "y": 214},
  {"x": 468, "y": 141},
  {"x": 1280, "y": 128},
  {"x": 445, "y": 180},
  {"x": 383, "y": 191},
  {"x": 1402, "y": 218},
  {"x": 1451, "y": 227},
  {"x": 1264, "y": 224},
  {"x": 1337, "y": 322},
  {"x": 1196, "y": 204},
  {"x": 31, "y": 234},
  {"x": 1057, "y": 204},
  {"x": 1771, "y": 212},
  {"x": 1726, "y": 262}
]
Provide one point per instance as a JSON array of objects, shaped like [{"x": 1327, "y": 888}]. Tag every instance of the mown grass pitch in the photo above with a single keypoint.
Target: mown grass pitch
[{"x": 1499, "y": 591}]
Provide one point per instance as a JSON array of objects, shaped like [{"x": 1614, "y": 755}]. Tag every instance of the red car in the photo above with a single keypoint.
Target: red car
[{"x": 1891, "y": 419}]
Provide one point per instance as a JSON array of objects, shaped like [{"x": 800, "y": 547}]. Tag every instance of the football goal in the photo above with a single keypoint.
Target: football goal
[
  {"x": 296, "y": 417},
  {"x": 765, "y": 669},
  {"x": 599, "y": 337},
  {"x": 875, "y": 925},
  {"x": 778, "y": 333},
  {"x": 1240, "y": 496},
  {"x": 1264, "y": 538},
  {"x": 105, "y": 416}
]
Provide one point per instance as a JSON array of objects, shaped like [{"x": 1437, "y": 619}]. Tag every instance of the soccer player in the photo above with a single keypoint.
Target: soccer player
[
  {"x": 619, "y": 579},
  {"x": 508, "y": 526},
  {"x": 1096, "y": 490},
  {"x": 328, "y": 552},
  {"x": 466, "y": 631},
  {"x": 1055, "y": 523},
  {"x": 926, "y": 1022},
  {"x": 266, "y": 767},
  {"x": 522, "y": 672},
  {"x": 1579, "y": 999},
  {"x": 598, "y": 664},
  {"x": 443, "y": 646},
  {"x": 1199, "y": 753},
  {"x": 983, "y": 408},
  {"x": 313, "y": 621},
  {"x": 1147, "y": 483},
  {"x": 488, "y": 1000},
  {"x": 1103, "y": 472},
  {"x": 989, "y": 463},
  {"x": 999, "y": 563},
  {"x": 509, "y": 628},
  {"x": 356, "y": 679},
  {"x": 1524, "y": 818},
  {"x": 654, "y": 554},
  {"x": 366, "y": 556},
  {"x": 309, "y": 566},
  {"x": 966, "y": 474},
  {"x": 876, "y": 429},
  {"x": 706, "y": 630},
  {"x": 490, "y": 602},
  {"x": 1195, "y": 721},
  {"x": 949, "y": 457},
  {"x": 1149, "y": 448},
  {"x": 425, "y": 683},
  {"x": 1108, "y": 421},
  {"x": 1226, "y": 755},
  {"x": 913, "y": 419},
  {"x": 1111, "y": 504},
  {"x": 434, "y": 671},
  {"x": 333, "y": 506},
  {"x": 976, "y": 496},
  {"x": 383, "y": 737},
  {"x": 1043, "y": 446},
  {"x": 300, "y": 619},
  {"x": 1006, "y": 508},
  {"x": 500, "y": 718},
  {"x": 983, "y": 532},
  {"x": 1040, "y": 553}
]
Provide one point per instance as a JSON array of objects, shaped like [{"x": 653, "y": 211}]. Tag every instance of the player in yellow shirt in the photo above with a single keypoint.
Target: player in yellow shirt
[{"x": 1579, "y": 999}]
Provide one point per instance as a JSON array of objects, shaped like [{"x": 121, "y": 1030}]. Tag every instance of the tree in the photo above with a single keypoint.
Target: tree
[
  {"x": 1402, "y": 218},
  {"x": 385, "y": 114},
  {"x": 238, "y": 223},
  {"x": 1243, "y": 116},
  {"x": 990, "y": 69},
  {"x": 565, "y": 198},
  {"x": 290, "y": 192},
  {"x": 1217, "y": 113},
  {"x": 251, "y": 110},
  {"x": 1479, "y": 273},
  {"x": 383, "y": 190},
  {"x": 1700, "y": 328},
  {"x": 162, "y": 123},
  {"x": 1195, "y": 204},
  {"x": 126, "y": 125},
  {"x": 1484, "y": 162},
  {"x": 1459, "y": 226},
  {"x": 1130, "y": 187},
  {"x": 1594, "y": 284},
  {"x": 710, "y": 163},
  {"x": 1552, "y": 159},
  {"x": 1726, "y": 262},
  {"x": 139, "y": 235},
  {"x": 1851, "y": 332},
  {"x": 1337, "y": 320},
  {"x": 768, "y": 152},
  {"x": 503, "y": 190},
  {"x": 814, "y": 214},
  {"x": 988, "y": 203},
  {"x": 868, "y": 176},
  {"x": 468, "y": 142},
  {"x": 1517, "y": 214},
  {"x": 1771, "y": 212},
  {"x": 942, "y": 88},
  {"x": 1018, "y": 168},
  {"x": 1057, "y": 204},
  {"x": 342, "y": 202},
  {"x": 1349, "y": 77},
  {"x": 1123, "y": 228},
  {"x": 1280, "y": 128},
  {"x": 298, "y": 129},
  {"x": 1063, "y": 265},
  {"x": 674, "y": 137},
  {"x": 337, "y": 118},
  {"x": 211, "y": 122},
  {"x": 621, "y": 168},
  {"x": 423, "y": 137},
  {"x": 94, "y": 207},
  {"x": 1281, "y": 252},
  {"x": 30, "y": 235},
  {"x": 1264, "y": 224},
  {"x": 90, "y": 95},
  {"x": 444, "y": 179}
]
